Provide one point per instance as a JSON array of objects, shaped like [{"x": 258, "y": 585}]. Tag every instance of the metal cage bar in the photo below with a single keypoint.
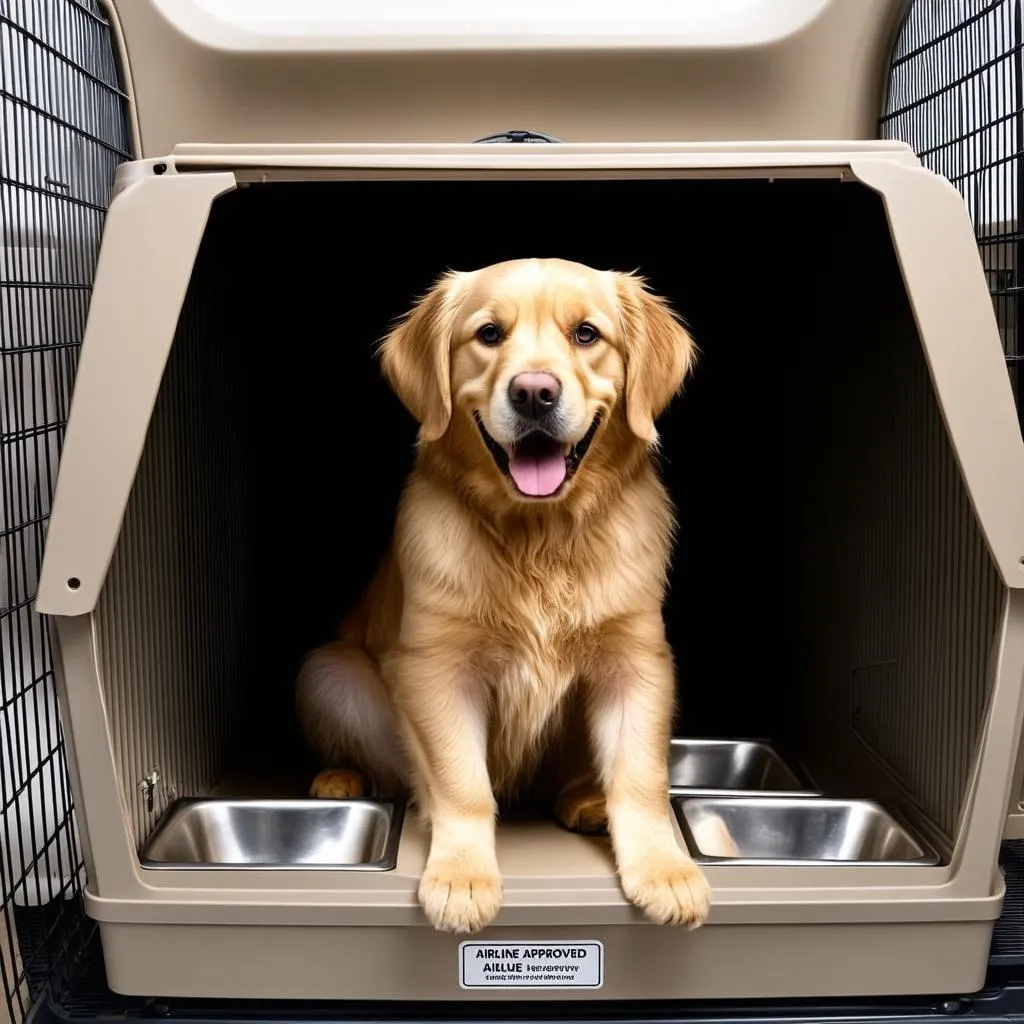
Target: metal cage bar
[{"x": 63, "y": 131}]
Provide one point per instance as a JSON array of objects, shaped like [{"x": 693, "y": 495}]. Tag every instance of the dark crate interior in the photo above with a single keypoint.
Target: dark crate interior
[{"x": 320, "y": 271}]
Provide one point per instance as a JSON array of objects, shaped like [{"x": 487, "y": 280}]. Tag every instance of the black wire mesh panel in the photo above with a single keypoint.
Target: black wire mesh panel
[
  {"x": 956, "y": 95},
  {"x": 1008, "y": 939},
  {"x": 62, "y": 134}
]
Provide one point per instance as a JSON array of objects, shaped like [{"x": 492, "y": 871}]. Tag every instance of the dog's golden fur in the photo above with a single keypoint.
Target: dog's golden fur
[{"x": 506, "y": 637}]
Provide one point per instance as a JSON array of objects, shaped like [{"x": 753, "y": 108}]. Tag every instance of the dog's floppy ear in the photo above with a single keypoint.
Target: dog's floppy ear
[
  {"x": 659, "y": 354},
  {"x": 416, "y": 356}
]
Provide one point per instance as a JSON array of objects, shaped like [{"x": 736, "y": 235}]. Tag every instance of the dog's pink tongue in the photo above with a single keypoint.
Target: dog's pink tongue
[{"x": 537, "y": 475}]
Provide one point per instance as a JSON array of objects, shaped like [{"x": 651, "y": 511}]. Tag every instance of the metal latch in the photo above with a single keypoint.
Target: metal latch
[{"x": 147, "y": 786}]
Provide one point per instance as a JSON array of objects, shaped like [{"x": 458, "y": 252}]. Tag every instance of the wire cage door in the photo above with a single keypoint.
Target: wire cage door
[{"x": 63, "y": 131}]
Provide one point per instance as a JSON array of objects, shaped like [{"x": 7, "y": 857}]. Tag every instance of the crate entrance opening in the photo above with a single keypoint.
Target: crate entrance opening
[{"x": 821, "y": 513}]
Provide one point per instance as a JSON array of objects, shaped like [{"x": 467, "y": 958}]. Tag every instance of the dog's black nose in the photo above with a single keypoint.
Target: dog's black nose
[{"x": 534, "y": 394}]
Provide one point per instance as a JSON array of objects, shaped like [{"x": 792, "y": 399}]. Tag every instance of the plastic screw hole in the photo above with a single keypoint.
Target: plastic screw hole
[
  {"x": 159, "y": 168},
  {"x": 74, "y": 583},
  {"x": 1020, "y": 562}
]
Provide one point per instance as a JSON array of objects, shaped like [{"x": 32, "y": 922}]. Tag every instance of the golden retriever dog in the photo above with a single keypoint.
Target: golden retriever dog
[{"x": 515, "y": 627}]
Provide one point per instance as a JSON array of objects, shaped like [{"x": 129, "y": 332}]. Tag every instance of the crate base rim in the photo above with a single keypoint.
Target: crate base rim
[{"x": 408, "y": 965}]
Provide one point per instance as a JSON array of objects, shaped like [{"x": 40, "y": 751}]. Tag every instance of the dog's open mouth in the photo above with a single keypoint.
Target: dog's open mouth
[{"x": 539, "y": 464}]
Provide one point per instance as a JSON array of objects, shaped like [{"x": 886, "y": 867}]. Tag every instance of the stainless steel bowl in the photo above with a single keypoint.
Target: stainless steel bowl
[
  {"x": 359, "y": 835},
  {"x": 796, "y": 831},
  {"x": 733, "y": 767}
]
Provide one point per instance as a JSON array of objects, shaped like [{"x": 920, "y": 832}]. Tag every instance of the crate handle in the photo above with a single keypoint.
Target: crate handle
[{"x": 518, "y": 135}]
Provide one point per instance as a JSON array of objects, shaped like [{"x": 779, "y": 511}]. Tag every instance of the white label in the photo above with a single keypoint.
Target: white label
[{"x": 531, "y": 965}]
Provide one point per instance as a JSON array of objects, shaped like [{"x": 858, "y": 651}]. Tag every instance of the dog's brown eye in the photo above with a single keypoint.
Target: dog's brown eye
[
  {"x": 586, "y": 334},
  {"x": 489, "y": 334}
]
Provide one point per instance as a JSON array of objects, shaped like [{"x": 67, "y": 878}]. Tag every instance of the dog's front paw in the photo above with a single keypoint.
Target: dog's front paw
[
  {"x": 669, "y": 890},
  {"x": 458, "y": 900}
]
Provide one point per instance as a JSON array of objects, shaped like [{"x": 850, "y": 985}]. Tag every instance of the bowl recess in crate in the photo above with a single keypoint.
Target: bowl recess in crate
[
  {"x": 796, "y": 831},
  {"x": 346, "y": 834}
]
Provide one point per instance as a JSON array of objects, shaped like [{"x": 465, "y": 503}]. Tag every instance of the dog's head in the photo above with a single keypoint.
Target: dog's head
[{"x": 541, "y": 358}]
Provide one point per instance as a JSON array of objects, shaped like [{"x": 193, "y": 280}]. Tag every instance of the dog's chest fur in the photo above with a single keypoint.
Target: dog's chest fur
[
  {"x": 539, "y": 612},
  {"x": 533, "y": 648},
  {"x": 531, "y": 606}
]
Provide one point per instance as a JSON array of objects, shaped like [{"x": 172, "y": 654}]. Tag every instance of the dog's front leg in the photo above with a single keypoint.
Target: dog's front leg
[
  {"x": 629, "y": 711},
  {"x": 444, "y": 721}
]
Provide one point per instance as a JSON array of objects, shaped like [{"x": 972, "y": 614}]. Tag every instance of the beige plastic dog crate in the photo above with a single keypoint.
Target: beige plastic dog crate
[
  {"x": 849, "y": 470},
  {"x": 846, "y": 460}
]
